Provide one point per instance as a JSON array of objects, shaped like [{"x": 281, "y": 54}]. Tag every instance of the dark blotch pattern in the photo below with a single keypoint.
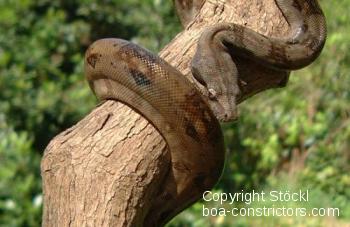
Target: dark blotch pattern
[
  {"x": 92, "y": 59},
  {"x": 140, "y": 78},
  {"x": 140, "y": 53},
  {"x": 165, "y": 214},
  {"x": 278, "y": 53},
  {"x": 199, "y": 180},
  {"x": 297, "y": 5},
  {"x": 196, "y": 105},
  {"x": 214, "y": 132},
  {"x": 167, "y": 196},
  {"x": 191, "y": 130},
  {"x": 314, "y": 8}
]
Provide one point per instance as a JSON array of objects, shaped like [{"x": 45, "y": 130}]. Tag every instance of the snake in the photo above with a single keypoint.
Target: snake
[{"x": 186, "y": 117}]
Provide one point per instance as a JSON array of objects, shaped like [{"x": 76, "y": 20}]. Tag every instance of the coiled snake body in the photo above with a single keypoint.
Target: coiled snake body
[{"x": 187, "y": 118}]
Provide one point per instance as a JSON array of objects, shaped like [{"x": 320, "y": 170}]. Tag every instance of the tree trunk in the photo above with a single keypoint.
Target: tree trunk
[{"x": 108, "y": 168}]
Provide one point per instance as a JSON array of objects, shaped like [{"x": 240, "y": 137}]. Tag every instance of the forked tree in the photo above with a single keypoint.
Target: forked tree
[{"x": 115, "y": 167}]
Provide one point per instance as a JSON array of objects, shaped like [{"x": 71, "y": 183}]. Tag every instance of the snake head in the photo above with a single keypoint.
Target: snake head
[
  {"x": 223, "y": 103},
  {"x": 221, "y": 93}
]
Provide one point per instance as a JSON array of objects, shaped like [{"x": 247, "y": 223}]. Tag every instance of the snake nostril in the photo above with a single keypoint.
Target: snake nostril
[{"x": 225, "y": 117}]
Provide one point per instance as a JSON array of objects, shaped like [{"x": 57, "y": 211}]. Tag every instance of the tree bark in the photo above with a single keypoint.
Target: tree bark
[{"x": 108, "y": 168}]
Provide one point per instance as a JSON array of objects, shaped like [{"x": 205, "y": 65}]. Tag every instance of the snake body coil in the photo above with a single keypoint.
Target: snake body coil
[{"x": 119, "y": 70}]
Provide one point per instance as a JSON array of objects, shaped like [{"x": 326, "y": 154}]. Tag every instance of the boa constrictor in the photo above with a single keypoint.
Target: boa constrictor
[{"x": 188, "y": 120}]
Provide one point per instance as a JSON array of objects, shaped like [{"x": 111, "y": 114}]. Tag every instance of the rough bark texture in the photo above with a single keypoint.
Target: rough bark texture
[
  {"x": 261, "y": 16},
  {"x": 107, "y": 169}
]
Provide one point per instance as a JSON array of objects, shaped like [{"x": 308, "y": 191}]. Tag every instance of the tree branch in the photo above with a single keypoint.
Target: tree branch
[{"x": 109, "y": 168}]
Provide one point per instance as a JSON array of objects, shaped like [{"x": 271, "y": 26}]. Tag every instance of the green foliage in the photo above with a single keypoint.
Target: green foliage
[
  {"x": 43, "y": 90},
  {"x": 20, "y": 188},
  {"x": 309, "y": 118},
  {"x": 41, "y": 55},
  {"x": 302, "y": 130}
]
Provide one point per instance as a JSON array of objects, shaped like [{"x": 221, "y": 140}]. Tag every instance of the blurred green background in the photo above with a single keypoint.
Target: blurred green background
[{"x": 292, "y": 138}]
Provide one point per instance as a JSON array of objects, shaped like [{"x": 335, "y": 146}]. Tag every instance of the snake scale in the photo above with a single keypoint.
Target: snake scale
[{"x": 187, "y": 118}]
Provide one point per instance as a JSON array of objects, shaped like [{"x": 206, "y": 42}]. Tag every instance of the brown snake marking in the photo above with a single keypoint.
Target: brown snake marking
[
  {"x": 212, "y": 63},
  {"x": 188, "y": 120}
]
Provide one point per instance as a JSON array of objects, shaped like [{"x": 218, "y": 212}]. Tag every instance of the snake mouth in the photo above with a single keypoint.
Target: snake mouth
[
  {"x": 224, "y": 113},
  {"x": 226, "y": 117}
]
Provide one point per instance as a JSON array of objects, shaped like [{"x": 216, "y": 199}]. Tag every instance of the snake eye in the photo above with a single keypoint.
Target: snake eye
[{"x": 212, "y": 93}]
